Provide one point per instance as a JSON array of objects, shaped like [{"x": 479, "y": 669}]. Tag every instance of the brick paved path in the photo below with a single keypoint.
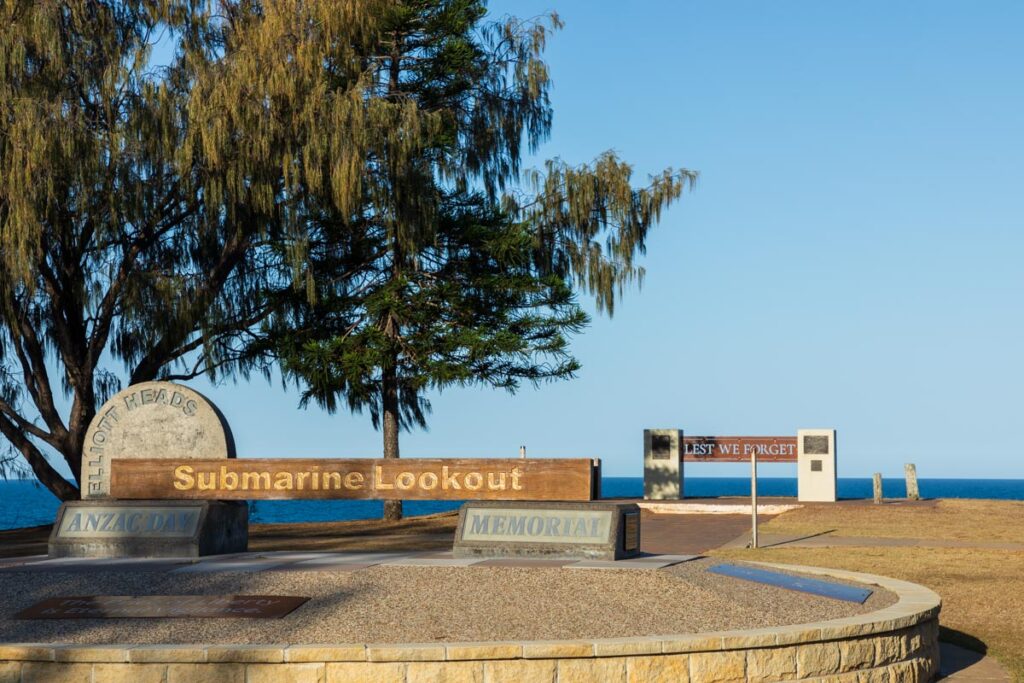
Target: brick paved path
[{"x": 691, "y": 534}]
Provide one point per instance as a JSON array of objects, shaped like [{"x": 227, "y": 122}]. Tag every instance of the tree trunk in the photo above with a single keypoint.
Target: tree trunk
[
  {"x": 44, "y": 471},
  {"x": 392, "y": 508}
]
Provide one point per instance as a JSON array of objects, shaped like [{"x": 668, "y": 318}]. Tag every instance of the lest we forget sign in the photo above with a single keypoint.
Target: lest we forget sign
[
  {"x": 160, "y": 479},
  {"x": 813, "y": 451}
]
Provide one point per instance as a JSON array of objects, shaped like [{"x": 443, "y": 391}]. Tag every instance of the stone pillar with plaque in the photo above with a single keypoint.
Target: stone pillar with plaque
[
  {"x": 663, "y": 464},
  {"x": 816, "y": 465},
  {"x": 150, "y": 420}
]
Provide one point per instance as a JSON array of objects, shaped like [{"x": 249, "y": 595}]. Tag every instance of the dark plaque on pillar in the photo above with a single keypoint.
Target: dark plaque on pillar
[
  {"x": 816, "y": 445},
  {"x": 661, "y": 447}
]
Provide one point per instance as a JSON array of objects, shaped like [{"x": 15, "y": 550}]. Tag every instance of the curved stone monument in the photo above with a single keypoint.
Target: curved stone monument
[{"x": 152, "y": 420}]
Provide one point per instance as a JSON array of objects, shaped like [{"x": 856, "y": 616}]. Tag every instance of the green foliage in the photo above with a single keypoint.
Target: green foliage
[
  {"x": 472, "y": 310},
  {"x": 336, "y": 184},
  {"x": 455, "y": 268},
  {"x": 101, "y": 243}
]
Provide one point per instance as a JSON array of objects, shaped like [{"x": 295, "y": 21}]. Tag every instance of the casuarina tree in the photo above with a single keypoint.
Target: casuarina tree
[
  {"x": 195, "y": 187},
  {"x": 456, "y": 267},
  {"x": 147, "y": 185}
]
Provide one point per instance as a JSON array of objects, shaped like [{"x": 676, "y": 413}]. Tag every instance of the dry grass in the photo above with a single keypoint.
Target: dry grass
[
  {"x": 964, "y": 520},
  {"x": 982, "y": 589},
  {"x": 426, "y": 532}
]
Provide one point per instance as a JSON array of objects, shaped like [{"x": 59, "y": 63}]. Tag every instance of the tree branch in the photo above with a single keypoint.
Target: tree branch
[
  {"x": 37, "y": 461},
  {"x": 164, "y": 350},
  {"x": 33, "y": 366},
  {"x": 26, "y": 426}
]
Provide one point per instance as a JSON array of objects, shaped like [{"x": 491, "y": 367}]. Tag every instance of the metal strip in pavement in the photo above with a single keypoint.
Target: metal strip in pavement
[{"x": 826, "y": 589}]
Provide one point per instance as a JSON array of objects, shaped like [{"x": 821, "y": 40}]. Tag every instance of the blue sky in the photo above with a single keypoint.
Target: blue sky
[{"x": 850, "y": 258}]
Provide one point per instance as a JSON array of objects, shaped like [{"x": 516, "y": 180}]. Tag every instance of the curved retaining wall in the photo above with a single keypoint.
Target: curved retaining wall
[{"x": 894, "y": 645}]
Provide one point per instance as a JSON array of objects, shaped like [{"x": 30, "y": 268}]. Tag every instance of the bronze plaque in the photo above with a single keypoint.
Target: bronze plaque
[
  {"x": 739, "y": 448},
  {"x": 631, "y": 531},
  {"x": 164, "y": 607},
  {"x": 661, "y": 447},
  {"x": 816, "y": 445},
  {"x": 300, "y": 478}
]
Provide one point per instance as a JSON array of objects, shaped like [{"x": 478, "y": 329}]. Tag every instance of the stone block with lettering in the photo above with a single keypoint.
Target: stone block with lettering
[
  {"x": 123, "y": 528},
  {"x": 152, "y": 420},
  {"x": 559, "y": 530}
]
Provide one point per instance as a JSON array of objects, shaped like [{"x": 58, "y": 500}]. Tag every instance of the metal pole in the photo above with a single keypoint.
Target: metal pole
[{"x": 753, "y": 497}]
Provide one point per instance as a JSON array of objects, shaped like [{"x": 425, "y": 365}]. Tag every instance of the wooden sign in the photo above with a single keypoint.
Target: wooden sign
[
  {"x": 163, "y": 606},
  {"x": 739, "y": 448},
  {"x": 411, "y": 479}
]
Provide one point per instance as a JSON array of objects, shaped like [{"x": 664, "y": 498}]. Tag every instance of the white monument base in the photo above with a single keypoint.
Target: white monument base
[
  {"x": 663, "y": 464},
  {"x": 816, "y": 465}
]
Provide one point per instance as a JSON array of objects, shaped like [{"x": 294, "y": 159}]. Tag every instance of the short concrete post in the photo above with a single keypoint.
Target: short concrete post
[
  {"x": 878, "y": 487},
  {"x": 911, "y": 471}
]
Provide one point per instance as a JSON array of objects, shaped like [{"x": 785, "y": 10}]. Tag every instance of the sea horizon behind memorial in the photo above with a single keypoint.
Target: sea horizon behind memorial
[{"x": 26, "y": 503}]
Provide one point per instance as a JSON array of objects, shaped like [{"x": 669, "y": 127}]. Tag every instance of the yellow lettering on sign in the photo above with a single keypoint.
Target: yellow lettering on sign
[
  {"x": 228, "y": 480},
  {"x": 449, "y": 481},
  {"x": 378, "y": 479},
  {"x": 277, "y": 478},
  {"x": 255, "y": 481},
  {"x": 183, "y": 479}
]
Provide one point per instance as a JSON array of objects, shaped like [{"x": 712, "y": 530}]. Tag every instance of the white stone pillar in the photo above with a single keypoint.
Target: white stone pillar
[
  {"x": 816, "y": 465},
  {"x": 663, "y": 464}
]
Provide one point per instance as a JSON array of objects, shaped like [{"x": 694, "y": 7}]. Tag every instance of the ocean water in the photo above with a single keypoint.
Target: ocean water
[{"x": 26, "y": 503}]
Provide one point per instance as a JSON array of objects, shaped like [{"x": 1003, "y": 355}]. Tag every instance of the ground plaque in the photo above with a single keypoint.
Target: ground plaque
[
  {"x": 557, "y": 530},
  {"x": 164, "y": 606},
  {"x": 827, "y": 589}
]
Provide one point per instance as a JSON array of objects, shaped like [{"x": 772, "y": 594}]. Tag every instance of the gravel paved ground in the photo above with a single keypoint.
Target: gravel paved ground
[{"x": 423, "y": 604}]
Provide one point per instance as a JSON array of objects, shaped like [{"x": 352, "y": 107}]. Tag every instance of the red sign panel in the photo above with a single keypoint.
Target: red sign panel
[{"x": 739, "y": 448}]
